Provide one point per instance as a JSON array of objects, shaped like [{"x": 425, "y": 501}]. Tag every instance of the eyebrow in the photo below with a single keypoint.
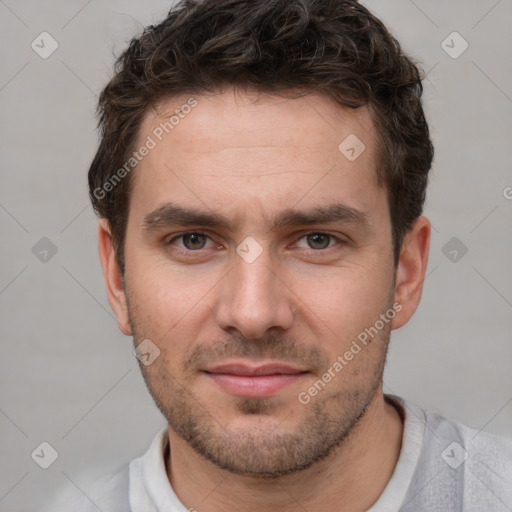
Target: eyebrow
[{"x": 171, "y": 214}]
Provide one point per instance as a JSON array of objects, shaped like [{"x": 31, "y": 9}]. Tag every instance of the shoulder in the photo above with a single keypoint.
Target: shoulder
[
  {"x": 484, "y": 456},
  {"x": 439, "y": 429},
  {"x": 113, "y": 491},
  {"x": 477, "y": 443},
  {"x": 109, "y": 493},
  {"x": 463, "y": 464}
]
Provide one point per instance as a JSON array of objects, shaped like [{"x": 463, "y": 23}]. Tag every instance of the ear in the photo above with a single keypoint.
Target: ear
[
  {"x": 113, "y": 278},
  {"x": 411, "y": 270}
]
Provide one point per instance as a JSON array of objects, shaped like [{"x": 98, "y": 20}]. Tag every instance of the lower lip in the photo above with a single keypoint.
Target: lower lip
[{"x": 254, "y": 386}]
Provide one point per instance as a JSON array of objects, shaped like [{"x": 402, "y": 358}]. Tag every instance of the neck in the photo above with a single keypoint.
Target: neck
[{"x": 352, "y": 477}]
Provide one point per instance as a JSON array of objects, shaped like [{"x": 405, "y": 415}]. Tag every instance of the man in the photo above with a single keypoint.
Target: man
[{"x": 260, "y": 183}]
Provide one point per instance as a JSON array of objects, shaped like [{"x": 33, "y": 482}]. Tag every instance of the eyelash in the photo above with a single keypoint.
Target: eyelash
[{"x": 189, "y": 252}]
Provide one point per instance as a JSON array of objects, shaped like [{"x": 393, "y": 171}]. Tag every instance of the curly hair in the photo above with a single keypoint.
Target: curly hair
[{"x": 334, "y": 47}]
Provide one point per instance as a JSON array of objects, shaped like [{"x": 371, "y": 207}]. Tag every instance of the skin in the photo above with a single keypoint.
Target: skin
[{"x": 303, "y": 300}]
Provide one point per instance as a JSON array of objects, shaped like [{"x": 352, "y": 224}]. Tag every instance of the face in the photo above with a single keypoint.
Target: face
[{"x": 258, "y": 257}]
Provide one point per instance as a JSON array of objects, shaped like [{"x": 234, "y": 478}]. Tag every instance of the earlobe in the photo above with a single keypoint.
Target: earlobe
[
  {"x": 411, "y": 270},
  {"x": 113, "y": 278}
]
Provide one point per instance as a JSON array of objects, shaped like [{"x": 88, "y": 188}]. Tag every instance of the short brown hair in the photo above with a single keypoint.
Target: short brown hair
[{"x": 335, "y": 47}]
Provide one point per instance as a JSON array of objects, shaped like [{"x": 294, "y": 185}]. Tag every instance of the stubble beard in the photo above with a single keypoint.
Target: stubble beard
[{"x": 330, "y": 419}]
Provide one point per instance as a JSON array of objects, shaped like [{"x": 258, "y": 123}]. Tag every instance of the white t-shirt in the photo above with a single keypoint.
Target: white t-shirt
[{"x": 443, "y": 467}]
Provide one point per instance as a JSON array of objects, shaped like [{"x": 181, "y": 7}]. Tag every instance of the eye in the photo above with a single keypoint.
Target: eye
[
  {"x": 191, "y": 241},
  {"x": 318, "y": 241}
]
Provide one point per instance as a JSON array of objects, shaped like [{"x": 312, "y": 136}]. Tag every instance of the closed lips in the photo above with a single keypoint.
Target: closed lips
[{"x": 272, "y": 369}]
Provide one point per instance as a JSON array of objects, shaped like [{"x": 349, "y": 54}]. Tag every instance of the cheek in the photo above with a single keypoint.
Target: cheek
[
  {"x": 345, "y": 295},
  {"x": 342, "y": 304},
  {"x": 166, "y": 302}
]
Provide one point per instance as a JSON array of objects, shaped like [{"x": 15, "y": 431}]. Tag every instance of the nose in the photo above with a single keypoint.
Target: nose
[{"x": 254, "y": 298}]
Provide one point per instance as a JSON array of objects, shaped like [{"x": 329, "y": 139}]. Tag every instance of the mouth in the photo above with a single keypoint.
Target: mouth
[{"x": 260, "y": 381}]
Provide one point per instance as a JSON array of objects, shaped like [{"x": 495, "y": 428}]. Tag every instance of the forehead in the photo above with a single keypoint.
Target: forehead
[
  {"x": 311, "y": 122},
  {"x": 239, "y": 147}
]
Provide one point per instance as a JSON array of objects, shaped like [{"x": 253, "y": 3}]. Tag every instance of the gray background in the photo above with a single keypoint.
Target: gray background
[{"x": 69, "y": 377}]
